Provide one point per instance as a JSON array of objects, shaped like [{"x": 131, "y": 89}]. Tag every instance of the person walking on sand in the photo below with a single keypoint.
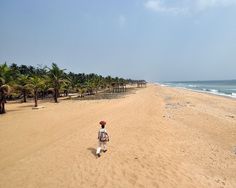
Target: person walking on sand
[{"x": 103, "y": 138}]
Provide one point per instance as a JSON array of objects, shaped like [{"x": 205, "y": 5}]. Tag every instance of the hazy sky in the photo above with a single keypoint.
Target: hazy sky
[{"x": 156, "y": 40}]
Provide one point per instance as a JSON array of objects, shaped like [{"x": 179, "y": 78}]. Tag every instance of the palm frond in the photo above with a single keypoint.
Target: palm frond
[
  {"x": 2, "y": 81},
  {"x": 5, "y": 89}
]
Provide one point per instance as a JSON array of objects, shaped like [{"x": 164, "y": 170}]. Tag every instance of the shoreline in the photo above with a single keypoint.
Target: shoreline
[{"x": 198, "y": 91}]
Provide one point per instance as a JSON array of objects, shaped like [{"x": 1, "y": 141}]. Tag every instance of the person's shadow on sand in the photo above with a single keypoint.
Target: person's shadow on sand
[{"x": 93, "y": 151}]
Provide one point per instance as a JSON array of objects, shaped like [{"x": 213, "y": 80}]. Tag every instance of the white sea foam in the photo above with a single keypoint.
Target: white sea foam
[
  {"x": 214, "y": 91},
  {"x": 190, "y": 85},
  {"x": 204, "y": 90},
  {"x": 234, "y": 95},
  {"x": 164, "y": 85}
]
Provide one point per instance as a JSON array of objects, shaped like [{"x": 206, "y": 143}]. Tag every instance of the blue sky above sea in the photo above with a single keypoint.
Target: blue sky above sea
[{"x": 156, "y": 40}]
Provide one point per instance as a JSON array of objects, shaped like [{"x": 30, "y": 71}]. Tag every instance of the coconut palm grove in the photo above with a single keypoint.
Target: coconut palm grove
[{"x": 22, "y": 82}]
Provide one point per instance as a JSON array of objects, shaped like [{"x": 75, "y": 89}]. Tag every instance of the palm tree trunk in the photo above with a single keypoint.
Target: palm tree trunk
[
  {"x": 55, "y": 95},
  {"x": 43, "y": 94},
  {"x": 36, "y": 98},
  {"x": 2, "y": 105},
  {"x": 24, "y": 95}
]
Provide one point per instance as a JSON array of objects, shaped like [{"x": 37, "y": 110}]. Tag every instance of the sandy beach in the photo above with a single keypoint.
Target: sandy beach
[{"x": 159, "y": 137}]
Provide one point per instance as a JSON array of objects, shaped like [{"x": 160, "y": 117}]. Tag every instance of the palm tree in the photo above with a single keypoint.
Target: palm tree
[
  {"x": 5, "y": 73},
  {"x": 22, "y": 86},
  {"x": 36, "y": 83},
  {"x": 97, "y": 80},
  {"x": 57, "y": 77},
  {"x": 78, "y": 88},
  {"x": 108, "y": 82},
  {"x": 5, "y": 78},
  {"x": 68, "y": 85},
  {"x": 73, "y": 80},
  {"x": 4, "y": 91},
  {"x": 45, "y": 88},
  {"x": 90, "y": 86}
]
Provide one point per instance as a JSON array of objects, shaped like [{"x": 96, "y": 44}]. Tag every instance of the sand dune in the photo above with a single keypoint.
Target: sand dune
[{"x": 160, "y": 137}]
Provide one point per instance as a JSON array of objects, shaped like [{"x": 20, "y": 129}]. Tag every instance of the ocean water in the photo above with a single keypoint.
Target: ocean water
[{"x": 225, "y": 88}]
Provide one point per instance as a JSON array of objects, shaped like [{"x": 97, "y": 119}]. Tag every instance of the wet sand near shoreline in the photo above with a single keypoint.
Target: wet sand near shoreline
[{"x": 159, "y": 137}]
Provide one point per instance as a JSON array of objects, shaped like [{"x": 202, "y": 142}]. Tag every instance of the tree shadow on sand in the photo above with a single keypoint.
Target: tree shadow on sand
[
  {"x": 93, "y": 151},
  {"x": 105, "y": 95}
]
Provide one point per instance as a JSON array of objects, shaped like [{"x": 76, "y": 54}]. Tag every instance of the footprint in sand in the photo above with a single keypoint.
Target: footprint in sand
[
  {"x": 230, "y": 116},
  {"x": 219, "y": 181},
  {"x": 132, "y": 178},
  {"x": 155, "y": 184}
]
